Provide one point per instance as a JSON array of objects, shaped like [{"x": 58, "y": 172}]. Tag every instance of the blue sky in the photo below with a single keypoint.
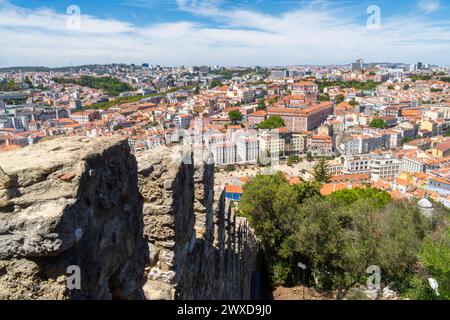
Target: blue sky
[{"x": 187, "y": 32}]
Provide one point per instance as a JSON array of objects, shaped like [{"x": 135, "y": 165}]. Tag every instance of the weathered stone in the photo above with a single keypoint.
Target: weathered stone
[
  {"x": 65, "y": 215},
  {"x": 389, "y": 294},
  {"x": 189, "y": 259},
  {"x": 68, "y": 177},
  {"x": 155, "y": 290},
  {"x": 155, "y": 229}
]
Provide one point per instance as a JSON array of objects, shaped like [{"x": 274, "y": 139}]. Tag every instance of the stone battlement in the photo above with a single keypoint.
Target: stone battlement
[{"x": 152, "y": 228}]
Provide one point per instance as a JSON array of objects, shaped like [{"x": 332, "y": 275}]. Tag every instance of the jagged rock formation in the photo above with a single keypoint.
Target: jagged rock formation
[
  {"x": 199, "y": 249},
  {"x": 70, "y": 202},
  {"x": 157, "y": 230}
]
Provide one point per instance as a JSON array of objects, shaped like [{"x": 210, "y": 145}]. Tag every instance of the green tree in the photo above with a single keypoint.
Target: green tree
[
  {"x": 407, "y": 139},
  {"x": 9, "y": 85},
  {"x": 402, "y": 228},
  {"x": 230, "y": 168},
  {"x": 359, "y": 85},
  {"x": 347, "y": 197},
  {"x": 110, "y": 85},
  {"x": 235, "y": 116},
  {"x": 272, "y": 101},
  {"x": 378, "y": 123},
  {"x": 324, "y": 97},
  {"x": 420, "y": 77},
  {"x": 306, "y": 190},
  {"x": 215, "y": 83},
  {"x": 434, "y": 262},
  {"x": 309, "y": 156},
  {"x": 339, "y": 98},
  {"x": 319, "y": 241},
  {"x": 340, "y": 235},
  {"x": 292, "y": 159},
  {"x": 322, "y": 172},
  {"x": 261, "y": 106},
  {"x": 273, "y": 122},
  {"x": 353, "y": 103},
  {"x": 272, "y": 206}
]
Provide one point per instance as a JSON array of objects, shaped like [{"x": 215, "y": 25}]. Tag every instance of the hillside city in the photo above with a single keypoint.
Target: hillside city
[{"x": 381, "y": 125}]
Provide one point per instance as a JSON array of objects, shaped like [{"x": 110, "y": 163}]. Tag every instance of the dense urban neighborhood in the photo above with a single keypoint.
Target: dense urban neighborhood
[
  {"x": 377, "y": 124},
  {"x": 220, "y": 155}
]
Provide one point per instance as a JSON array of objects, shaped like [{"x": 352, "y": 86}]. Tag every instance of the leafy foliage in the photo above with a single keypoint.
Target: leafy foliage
[
  {"x": 111, "y": 86},
  {"x": 415, "y": 78},
  {"x": 339, "y": 98},
  {"x": 292, "y": 159},
  {"x": 235, "y": 116},
  {"x": 272, "y": 101},
  {"x": 368, "y": 85},
  {"x": 273, "y": 122},
  {"x": 353, "y": 103},
  {"x": 434, "y": 262},
  {"x": 261, "y": 106},
  {"x": 9, "y": 86},
  {"x": 339, "y": 236},
  {"x": 378, "y": 123},
  {"x": 215, "y": 83},
  {"x": 378, "y": 198},
  {"x": 322, "y": 171},
  {"x": 324, "y": 97},
  {"x": 124, "y": 100},
  {"x": 272, "y": 206}
]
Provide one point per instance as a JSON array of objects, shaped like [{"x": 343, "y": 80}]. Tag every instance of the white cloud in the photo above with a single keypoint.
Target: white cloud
[
  {"x": 428, "y": 6},
  {"x": 308, "y": 35}
]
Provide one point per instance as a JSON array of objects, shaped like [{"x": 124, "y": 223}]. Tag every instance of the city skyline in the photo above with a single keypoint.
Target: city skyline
[{"x": 185, "y": 32}]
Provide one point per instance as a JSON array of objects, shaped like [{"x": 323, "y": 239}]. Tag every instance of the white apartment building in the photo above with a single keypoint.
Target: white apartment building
[
  {"x": 363, "y": 143},
  {"x": 370, "y": 142},
  {"x": 335, "y": 167},
  {"x": 247, "y": 96},
  {"x": 247, "y": 149},
  {"x": 183, "y": 120},
  {"x": 413, "y": 164},
  {"x": 379, "y": 166},
  {"x": 223, "y": 153},
  {"x": 272, "y": 145},
  {"x": 352, "y": 164},
  {"x": 298, "y": 144},
  {"x": 385, "y": 167},
  {"x": 351, "y": 145},
  {"x": 394, "y": 138},
  {"x": 216, "y": 137}
]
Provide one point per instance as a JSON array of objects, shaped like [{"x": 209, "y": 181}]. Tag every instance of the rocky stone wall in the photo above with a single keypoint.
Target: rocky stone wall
[
  {"x": 155, "y": 228},
  {"x": 71, "y": 202},
  {"x": 199, "y": 249}
]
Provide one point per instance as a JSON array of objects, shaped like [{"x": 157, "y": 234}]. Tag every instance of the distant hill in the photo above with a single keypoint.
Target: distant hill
[
  {"x": 26, "y": 69},
  {"x": 46, "y": 69}
]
